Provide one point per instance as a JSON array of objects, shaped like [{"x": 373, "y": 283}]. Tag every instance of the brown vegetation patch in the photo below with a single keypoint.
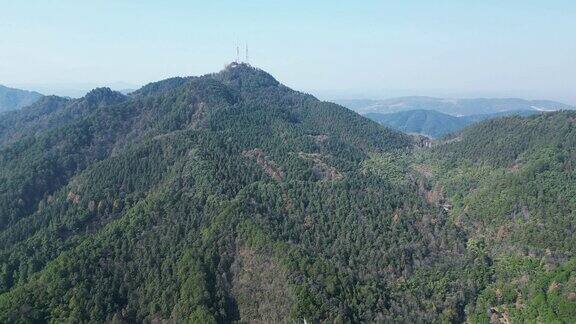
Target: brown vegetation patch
[
  {"x": 199, "y": 114},
  {"x": 451, "y": 140},
  {"x": 268, "y": 165},
  {"x": 395, "y": 218},
  {"x": 259, "y": 286},
  {"x": 74, "y": 198},
  {"x": 424, "y": 170},
  {"x": 503, "y": 232},
  {"x": 288, "y": 203},
  {"x": 514, "y": 167},
  {"x": 553, "y": 286},
  {"x": 434, "y": 196},
  {"x": 319, "y": 139},
  {"x": 422, "y": 141},
  {"x": 321, "y": 169}
]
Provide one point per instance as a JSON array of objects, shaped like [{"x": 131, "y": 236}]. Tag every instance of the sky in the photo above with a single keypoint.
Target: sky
[{"x": 333, "y": 49}]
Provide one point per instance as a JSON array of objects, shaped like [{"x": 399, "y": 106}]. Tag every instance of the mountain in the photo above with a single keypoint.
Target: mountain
[
  {"x": 435, "y": 124},
  {"x": 13, "y": 99},
  {"x": 77, "y": 89},
  {"x": 229, "y": 197},
  {"x": 510, "y": 183},
  {"x": 51, "y": 112},
  {"x": 224, "y": 197},
  {"x": 426, "y": 122},
  {"x": 455, "y": 107}
]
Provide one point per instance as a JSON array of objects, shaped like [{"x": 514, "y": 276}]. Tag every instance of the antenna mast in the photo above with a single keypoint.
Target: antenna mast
[
  {"x": 247, "y": 61},
  {"x": 237, "y": 54}
]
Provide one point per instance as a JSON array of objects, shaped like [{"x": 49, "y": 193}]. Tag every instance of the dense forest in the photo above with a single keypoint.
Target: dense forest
[
  {"x": 231, "y": 198},
  {"x": 511, "y": 184}
]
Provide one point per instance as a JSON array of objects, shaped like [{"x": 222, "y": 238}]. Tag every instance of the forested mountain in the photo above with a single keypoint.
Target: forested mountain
[
  {"x": 425, "y": 122},
  {"x": 215, "y": 198},
  {"x": 13, "y": 99},
  {"x": 454, "y": 107},
  {"x": 230, "y": 197},
  {"x": 510, "y": 184},
  {"x": 435, "y": 124}
]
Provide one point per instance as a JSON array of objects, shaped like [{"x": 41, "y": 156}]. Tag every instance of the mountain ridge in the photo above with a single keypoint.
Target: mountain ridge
[
  {"x": 436, "y": 124},
  {"x": 14, "y": 99},
  {"x": 455, "y": 107}
]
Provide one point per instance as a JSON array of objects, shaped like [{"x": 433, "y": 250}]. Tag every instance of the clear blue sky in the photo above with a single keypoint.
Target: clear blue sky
[{"x": 333, "y": 48}]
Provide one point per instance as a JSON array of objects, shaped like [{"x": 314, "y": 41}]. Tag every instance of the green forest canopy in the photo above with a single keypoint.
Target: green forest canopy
[{"x": 230, "y": 197}]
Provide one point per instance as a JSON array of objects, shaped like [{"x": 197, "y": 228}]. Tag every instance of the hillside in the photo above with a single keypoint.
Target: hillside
[
  {"x": 510, "y": 184},
  {"x": 435, "y": 124},
  {"x": 216, "y": 198},
  {"x": 13, "y": 99},
  {"x": 455, "y": 107},
  {"x": 425, "y": 122},
  {"x": 230, "y": 197}
]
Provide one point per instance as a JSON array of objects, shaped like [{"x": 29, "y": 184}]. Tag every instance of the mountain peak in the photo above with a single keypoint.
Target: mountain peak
[
  {"x": 243, "y": 74},
  {"x": 104, "y": 96}
]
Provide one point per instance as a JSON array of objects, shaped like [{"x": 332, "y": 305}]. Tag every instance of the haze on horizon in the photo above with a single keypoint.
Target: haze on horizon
[{"x": 334, "y": 49}]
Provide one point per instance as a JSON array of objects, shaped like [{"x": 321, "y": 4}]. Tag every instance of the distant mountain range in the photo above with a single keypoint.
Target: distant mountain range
[
  {"x": 455, "y": 107},
  {"x": 433, "y": 123},
  {"x": 75, "y": 89},
  {"x": 13, "y": 99}
]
